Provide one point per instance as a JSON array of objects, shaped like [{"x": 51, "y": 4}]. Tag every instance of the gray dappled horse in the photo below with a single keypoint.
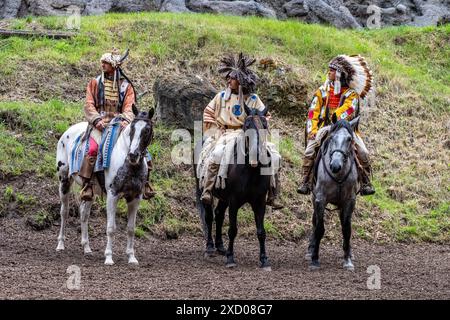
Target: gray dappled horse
[
  {"x": 336, "y": 182},
  {"x": 124, "y": 178}
]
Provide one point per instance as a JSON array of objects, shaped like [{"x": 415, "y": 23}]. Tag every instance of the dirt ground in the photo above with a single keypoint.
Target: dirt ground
[{"x": 30, "y": 268}]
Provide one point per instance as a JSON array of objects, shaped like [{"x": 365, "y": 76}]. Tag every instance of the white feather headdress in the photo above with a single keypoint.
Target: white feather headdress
[{"x": 356, "y": 71}]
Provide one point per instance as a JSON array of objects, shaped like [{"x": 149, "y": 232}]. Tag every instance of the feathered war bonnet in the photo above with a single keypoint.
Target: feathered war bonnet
[
  {"x": 115, "y": 59},
  {"x": 356, "y": 72},
  {"x": 237, "y": 67}
]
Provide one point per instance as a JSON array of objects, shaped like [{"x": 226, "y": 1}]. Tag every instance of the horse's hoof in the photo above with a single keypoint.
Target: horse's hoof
[
  {"x": 133, "y": 261},
  {"x": 210, "y": 249},
  {"x": 60, "y": 247},
  {"x": 314, "y": 265},
  {"x": 349, "y": 266},
  {"x": 231, "y": 265},
  {"x": 88, "y": 251},
  {"x": 308, "y": 256},
  {"x": 109, "y": 262},
  {"x": 221, "y": 251},
  {"x": 266, "y": 268}
]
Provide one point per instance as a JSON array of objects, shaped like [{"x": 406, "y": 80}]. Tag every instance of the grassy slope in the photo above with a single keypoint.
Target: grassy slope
[{"x": 405, "y": 132}]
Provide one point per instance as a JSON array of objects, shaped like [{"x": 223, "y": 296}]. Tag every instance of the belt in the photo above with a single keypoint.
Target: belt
[{"x": 233, "y": 127}]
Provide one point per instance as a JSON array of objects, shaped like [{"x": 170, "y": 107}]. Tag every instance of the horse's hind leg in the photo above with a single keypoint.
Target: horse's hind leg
[
  {"x": 319, "y": 230},
  {"x": 209, "y": 218},
  {"x": 132, "y": 212},
  {"x": 219, "y": 218},
  {"x": 111, "y": 207},
  {"x": 64, "y": 189},
  {"x": 346, "y": 224},
  {"x": 259, "y": 211},
  {"x": 85, "y": 211}
]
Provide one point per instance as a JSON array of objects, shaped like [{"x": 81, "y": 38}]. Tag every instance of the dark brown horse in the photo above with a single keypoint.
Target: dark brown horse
[{"x": 245, "y": 184}]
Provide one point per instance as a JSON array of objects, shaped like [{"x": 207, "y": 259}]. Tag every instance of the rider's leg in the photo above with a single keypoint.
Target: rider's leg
[
  {"x": 274, "y": 192},
  {"x": 308, "y": 163},
  {"x": 86, "y": 170},
  {"x": 363, "y": 156},
  {"x": 275, "y": 186},
  {"x": 213, "y": 169},
  {"x": 309, "y": 159}
]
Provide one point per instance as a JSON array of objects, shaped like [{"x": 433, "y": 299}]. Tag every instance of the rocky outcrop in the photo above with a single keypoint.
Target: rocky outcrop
[
  {"x": 239, "y": 8},
  {"x": 21, "y": 8},
  {"x": 173, "y": 6},
  {"x": 181, "y": 99},
  {"x": 340, "y": 13}
]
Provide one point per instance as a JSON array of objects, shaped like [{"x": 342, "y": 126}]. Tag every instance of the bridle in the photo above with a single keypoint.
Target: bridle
[
  {"x": 346, "y": 155},
  {"x": 143, "y": 152}
]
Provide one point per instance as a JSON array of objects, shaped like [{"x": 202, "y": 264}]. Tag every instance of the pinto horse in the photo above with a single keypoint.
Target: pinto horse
[{"x": 125, "y": 178}]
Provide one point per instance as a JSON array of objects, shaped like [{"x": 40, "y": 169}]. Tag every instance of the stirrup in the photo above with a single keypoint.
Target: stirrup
[
  {"x": 206, "y": 198},
  {"x": 304, "y": 189},
  {"x": 275, "y": 205},
  {"x": 148, "y": 192},
  {"x": 87, "y": 193},
  {"x": 367, "y": 190}
]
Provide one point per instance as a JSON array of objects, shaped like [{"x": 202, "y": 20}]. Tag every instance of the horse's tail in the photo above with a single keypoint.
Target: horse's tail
[
  {"x": 62, "y": 159},
  {"x": 62, "y": 166},
  {"x": 198, "y": 202}
]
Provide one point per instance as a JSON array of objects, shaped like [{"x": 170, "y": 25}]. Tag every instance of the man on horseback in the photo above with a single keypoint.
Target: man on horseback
[
  {"x": 224, "y": 117},
  {"x": 349, "y": 79},
  {"x": 108, "y": 96}
]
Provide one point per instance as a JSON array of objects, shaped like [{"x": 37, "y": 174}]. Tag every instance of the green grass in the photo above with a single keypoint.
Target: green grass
[
  {"x": 406, "y": 222},
  {"x": 411, "y": 68}
]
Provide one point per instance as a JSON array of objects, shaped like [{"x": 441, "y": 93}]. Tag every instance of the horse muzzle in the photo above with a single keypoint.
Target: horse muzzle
[
  {"x": 134, "y": 158},
  {"x": 335, "y": 166}
]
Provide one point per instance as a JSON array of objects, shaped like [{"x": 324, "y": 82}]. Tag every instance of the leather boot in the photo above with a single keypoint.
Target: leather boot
[
  {"x": 210, "y": 180},
  {"x": 86, "y": 170},
  {"x": 366, "y": 188},
  {"x": 305, "y": 187},
  {"x": 274, "y": 192}
]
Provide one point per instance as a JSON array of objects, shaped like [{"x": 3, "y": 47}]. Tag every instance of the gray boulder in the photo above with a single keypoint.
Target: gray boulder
[
  {"x": 181, "y": 99},
  {"x": 238, "y": 8},
  {"x": 173, "y": 6}
]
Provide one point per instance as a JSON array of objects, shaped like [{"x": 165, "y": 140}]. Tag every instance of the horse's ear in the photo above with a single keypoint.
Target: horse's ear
[
  {"x": 135, "y": 110},
  {"x": 151, "y": 112},
  {"x": 247, "y": 110},
  {"x": 334, "y": 118},
  {"x": 354, "y": 123}
]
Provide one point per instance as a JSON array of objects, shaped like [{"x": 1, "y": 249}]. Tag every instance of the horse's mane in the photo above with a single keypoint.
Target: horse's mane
[
  {"x": 334, "y": 128},
  {"x": 341, "y": 124}
]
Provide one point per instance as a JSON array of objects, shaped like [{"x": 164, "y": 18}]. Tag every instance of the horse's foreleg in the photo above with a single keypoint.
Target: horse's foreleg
[
  {"x": 209, "y": 218},
  {"x": 220, "y": 217},
  {"x": 319, "y": 230},
  {"x": 64, "y": 188},
  {"x": 259, "y": 210},
  {"x": 85, "y": 211},
  {"x": 232, "y": 232},
  {"x": 111, "y": 207},
  {"x": 132, "y": 212},
  {"x": 311, "y": 239},
  {"x": 346, "y": 224}
]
